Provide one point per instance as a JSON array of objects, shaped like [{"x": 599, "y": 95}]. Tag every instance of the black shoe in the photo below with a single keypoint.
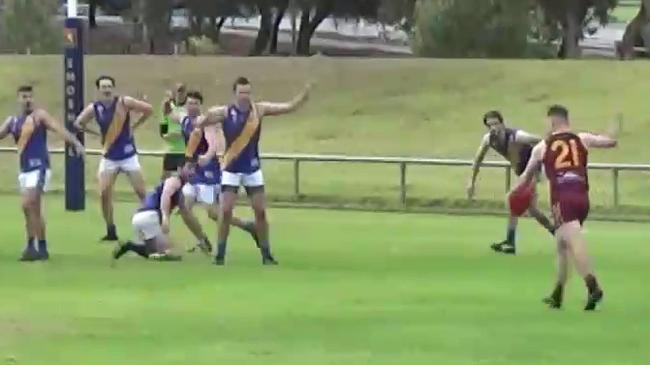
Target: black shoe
[
  {"x": 109, "y": 237},
  {"x": 552, "y": 302},
  {"x": 44, "y": 255},
  {"x": 504, "y": 247},
  {"x": 30, "y": 255},
  {"x": 269, "y": 261},
  {"x": 593, "y": 299},
  {"x": 219, "y": 261}
]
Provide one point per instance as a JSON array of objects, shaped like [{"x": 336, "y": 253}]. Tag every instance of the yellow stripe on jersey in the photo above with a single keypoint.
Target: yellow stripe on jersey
[
  {"x": 26, "y": 133},
  {"x": 235, "y": 149},
  {"x": 193, "y": 142},
  {"x": 119, "y": 118}
]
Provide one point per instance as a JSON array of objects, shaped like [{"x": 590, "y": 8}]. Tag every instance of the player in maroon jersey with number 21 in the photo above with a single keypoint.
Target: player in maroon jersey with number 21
[{"x": 564, "y": 157}]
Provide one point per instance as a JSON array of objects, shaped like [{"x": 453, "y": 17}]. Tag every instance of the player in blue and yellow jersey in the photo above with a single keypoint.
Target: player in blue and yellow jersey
[
  {"x": 203, "y": 187},
  {"x": 240, "y": 123},
  {"x": 113, "y": 115},
  {"x": 515, "y": 145},
  {"x": 151, "y": 221},
  {"x": 29, "y": 129}
]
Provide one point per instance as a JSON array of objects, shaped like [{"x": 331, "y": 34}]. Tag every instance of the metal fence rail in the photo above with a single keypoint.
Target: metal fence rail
[{"x": 402, "y": 162}]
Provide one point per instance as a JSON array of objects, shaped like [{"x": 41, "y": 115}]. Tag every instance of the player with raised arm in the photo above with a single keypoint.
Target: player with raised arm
[
  {"x": 241, "y": 125},
  {"x": 151, "y": 221},
  {"x": 112, "y": 113},
  {"x": 29, "y": 129},
  {"x": 202, "y": 145},
  {"x": 564, "y": 155},
  {"x": 515, "y": 146}
]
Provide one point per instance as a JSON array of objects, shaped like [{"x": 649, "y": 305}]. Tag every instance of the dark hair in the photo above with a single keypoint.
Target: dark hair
[
  {"x": 195, "y": 95},
  {"x": 241, "y": 80},
  {"x": 491, "y": 115},
  {"x": 104, "y": 77},
  {"x": 558, "y": 111},
  {"x": 24, "y": 89}
]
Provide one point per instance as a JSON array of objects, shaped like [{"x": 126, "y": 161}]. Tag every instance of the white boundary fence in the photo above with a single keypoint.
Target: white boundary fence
[{"x": 401, "y": 162}]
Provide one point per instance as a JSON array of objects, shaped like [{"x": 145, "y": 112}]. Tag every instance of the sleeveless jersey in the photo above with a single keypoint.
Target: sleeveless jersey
[
  {"x": 152, "y": 199},
  {"x": 248, "y": 160},
  {"x": 31, "y": 139},
  {"x": 565, "y": 163},
  {"x": 209, "y": 174},
  {"x": 116, "y": 133},
  {"x": 501, "y": 145},
  {"x": 175, "y": 145}
]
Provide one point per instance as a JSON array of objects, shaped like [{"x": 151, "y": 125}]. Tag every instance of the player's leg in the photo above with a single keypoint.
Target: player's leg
[
  {"x": 228, "y": 201},
  {"x": 555, "y": 299},
  {"x": 133, "y": 170},
  {"x": 107, "y": 175},
  {"x": 508, "y": 245},
  {"x": 30, "y": 253},
  {"x": 257, "y": 197},
  {"x": 582, "y": 262},
  {"x": 186, "y": 210},
  {"x": 539, "y": 216},
  {"x": 209, "y": 196}
]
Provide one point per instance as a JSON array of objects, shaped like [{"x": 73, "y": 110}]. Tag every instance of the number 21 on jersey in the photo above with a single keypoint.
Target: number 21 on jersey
[{"x": 568, "y": 155}]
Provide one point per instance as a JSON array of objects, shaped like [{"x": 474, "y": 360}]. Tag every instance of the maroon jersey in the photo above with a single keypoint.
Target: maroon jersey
[{"x": 565, "y": 163}]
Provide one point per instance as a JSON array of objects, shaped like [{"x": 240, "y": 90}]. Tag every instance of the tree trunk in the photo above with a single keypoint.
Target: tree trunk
[
  {"x": 308, "y": 27},
  {"x": 633, "y": 35},
  {"x": 215, "y": 28},
  {"x": 264, "y": 34},
  {"x": 571, "y": 33},
  {"x": 279, "y": 15},
  {"x": 196, "y": 25},
  {"x": 92, "y": 10}
]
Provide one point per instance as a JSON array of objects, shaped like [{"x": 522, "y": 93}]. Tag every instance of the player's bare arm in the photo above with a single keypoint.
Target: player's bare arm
[
  {"x": 4, "y": 128},
  {"x": 523, "y": 137},
  {"x": 267, "y": 108},
  {"x": 210, "y": 133},
  {"x": 534, "y": 165},
  {"x": 52, "y": 125},
  {"x": 476, "y": 166},
  {"x": 214, "y": 116},
  {"x": 172, "y": 185},
  {"x": 143, "y": 108},
  {"x": 86, "y": 115}
]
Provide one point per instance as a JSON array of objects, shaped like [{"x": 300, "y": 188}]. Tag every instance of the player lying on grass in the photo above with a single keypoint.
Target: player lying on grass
[
  {"x": 564, "y": 157},
  {"x": 515, "y": 146},
  {"x": 203, "y": 143},
  {"x": 151, "y": 221},
  {"x": 29, "y": 129}
]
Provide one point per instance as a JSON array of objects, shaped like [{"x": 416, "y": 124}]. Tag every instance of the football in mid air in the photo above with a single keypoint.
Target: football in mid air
[{"x": 519, "y": 200}]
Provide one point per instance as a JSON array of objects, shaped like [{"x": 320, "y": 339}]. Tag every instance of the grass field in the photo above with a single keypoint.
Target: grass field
[
  {"x": 357, "y": 288},
  {"x": 389, "y": 107},
  {"x": 625, "y": 11}
]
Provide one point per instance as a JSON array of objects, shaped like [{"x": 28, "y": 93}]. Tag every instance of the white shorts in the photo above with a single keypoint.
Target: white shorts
[
  {"x": 127, "y": 165},
  {"x": 241, "y": 179},
  {"x": 34, "y": 179},
  {"x": 202, "y": 193},
  {"x": 146, "y": 225}
]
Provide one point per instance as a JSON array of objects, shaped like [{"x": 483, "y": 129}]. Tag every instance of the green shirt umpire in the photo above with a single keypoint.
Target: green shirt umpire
[{"x": 171, "y": 132}]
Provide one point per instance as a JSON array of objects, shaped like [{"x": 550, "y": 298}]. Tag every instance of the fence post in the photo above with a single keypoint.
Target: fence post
[
  {"x": 508, "y": 176},
  {"x": 615, "y": 181},
  {"x": 296, "y": 178},
  {"x": 402, "y": 183}
]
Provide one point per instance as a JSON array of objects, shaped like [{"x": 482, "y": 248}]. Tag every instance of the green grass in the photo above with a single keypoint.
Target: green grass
[
  {"x": 357, "y": 288},
  {"x": 626, "y": 11},
  {"x": 389, "y": 107}
]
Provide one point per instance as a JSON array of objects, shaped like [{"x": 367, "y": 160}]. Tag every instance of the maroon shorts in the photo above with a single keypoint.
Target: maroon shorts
[{"x": 568, "y": 207}]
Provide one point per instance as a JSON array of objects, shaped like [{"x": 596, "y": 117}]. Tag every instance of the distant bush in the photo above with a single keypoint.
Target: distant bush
[
  {"x": 29, "y": 26},
  {"x": 202, "y": 46},
  {"x": 471, "y": 28}
]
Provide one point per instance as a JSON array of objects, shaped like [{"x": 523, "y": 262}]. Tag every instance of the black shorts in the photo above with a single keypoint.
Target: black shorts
[{"x": 171, "y": 161}]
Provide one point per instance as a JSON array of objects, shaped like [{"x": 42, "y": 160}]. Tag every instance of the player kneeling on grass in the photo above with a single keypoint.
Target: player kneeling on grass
[
  {"x": 564, "y": 157},
  {"x": 151, "y": 221}
]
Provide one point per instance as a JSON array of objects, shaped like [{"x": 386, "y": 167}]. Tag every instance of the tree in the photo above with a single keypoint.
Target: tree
[
  {"x": 637, "y": 32},
  {"x": 471, "y": 28},
  {"x": 29, "y": 27},
  {"x": 157, "y": 15},
  {"x": 280, "y": 10},
  {"x": 572, "y": 16},
  {"x": 215, "y": 12},
  {"x": 397, "y": 12}
]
